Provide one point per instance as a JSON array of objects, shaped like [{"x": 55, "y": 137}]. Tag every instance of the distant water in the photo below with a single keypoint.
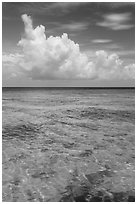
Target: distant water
[{"x": 54, "y": 136}]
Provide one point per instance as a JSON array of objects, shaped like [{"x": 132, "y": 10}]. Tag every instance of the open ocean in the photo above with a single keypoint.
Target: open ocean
[{"x": 68, "y": 144}]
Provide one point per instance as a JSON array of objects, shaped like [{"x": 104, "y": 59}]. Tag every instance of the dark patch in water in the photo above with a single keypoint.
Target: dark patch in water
[
  {"x": 95, "y": 195},
  {"x": 81, "y": 198},
  {"x": 86, "y": 153},
  {"x": 40, "y": 175},
  {"x": 21, "y": 132},
  {"x": 18, "y": 157},
  {"x": 120, "y": 196},
  {"x": 98, "y": 177},
  {"x": 95, "y": 113},
  {"x": 69, "y": 145},
  {"x": 131, "y": 198},
  {"x": 16, "y": 181},
  {"x": 49, "y": 141},
  {"x": 44, "y": 150}
]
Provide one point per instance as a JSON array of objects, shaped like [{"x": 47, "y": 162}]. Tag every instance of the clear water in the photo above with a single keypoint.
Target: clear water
[{"x": 54, "y": 138}]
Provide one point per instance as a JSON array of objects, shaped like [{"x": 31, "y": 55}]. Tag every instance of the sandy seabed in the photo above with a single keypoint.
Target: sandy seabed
[{"x": 68, "y": 145}]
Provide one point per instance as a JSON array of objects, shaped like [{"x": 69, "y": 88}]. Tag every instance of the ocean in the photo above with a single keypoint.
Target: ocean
[{"x": 68, "y": 144}]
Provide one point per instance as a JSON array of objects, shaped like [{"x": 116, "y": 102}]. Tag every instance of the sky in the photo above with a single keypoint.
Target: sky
[{"x": 68, "y": 44}]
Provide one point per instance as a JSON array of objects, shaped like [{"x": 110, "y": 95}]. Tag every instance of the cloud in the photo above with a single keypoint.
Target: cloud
[
  {"x": 110, "y": 66},
  {"x": 119, "y": 4},
  {"x": 101, "y": 41},
  {"x": 128, "y": 54},
  {"x": 45, "y": 58},
  {"x": 113, "y": 46},
  {"x": 116, "y": 21},
  {"x": 9, "y": 62},
  {"x": 11, "y": 58},
  {"x": 50, "y": 8},
  {"x": 69, "y": 27},
  {"x": 75, "y": 26},
  {"x": 65, "y": 6}
]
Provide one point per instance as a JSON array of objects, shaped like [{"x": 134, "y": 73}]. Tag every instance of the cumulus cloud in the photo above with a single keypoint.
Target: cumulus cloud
[{"x": 61, "y": 58}]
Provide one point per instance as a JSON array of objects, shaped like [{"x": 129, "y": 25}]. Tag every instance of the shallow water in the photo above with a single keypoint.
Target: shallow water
[{"x": 56, "y": 140}]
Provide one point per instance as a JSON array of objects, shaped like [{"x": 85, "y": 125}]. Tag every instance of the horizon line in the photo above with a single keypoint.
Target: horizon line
[{"x": 88, "y": 87}]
